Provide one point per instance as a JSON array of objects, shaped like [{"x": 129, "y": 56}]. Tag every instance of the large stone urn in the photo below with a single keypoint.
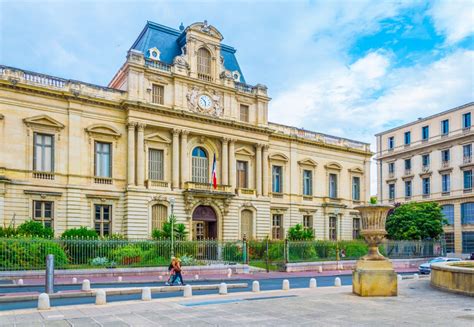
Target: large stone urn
[{"x": 374, "y": 274}]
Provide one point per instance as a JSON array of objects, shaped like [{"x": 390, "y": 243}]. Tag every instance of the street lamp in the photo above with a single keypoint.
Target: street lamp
[{"x": 172, "y": 200}]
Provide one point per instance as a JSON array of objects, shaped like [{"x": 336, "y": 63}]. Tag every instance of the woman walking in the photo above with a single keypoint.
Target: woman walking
[{"x": 177, "y": 271}]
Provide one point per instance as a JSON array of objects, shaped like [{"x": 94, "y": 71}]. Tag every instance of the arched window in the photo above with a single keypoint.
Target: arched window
[
  {"x": 200, "y": 166},
  {"x": 159, "y": 215},
  {"x": 448, "y": 212},
  {"x": 246, "y": 223},
  {"x": 204, "y": 64}
]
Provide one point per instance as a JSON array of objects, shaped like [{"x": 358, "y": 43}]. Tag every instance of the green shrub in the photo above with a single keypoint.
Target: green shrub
[
  {"x": 128, "y": 255},
  {"x": 302, "y": 251},
  {"x": 232, "y": 253},
  {"x": 8, "y": 231},
  {"x": 164, "y": 233},
  {"x": 30, "y": 253},
  {"x": 298, "y": 233},
  {"x": 276, "y": 251},
  {"x": 80, "y": 233},
  {"x": 354, "y": 249},
  {"x": 34, "y": 229}
]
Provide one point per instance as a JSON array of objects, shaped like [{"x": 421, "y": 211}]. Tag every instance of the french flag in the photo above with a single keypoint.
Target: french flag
[{"x": 214, "y": 172}]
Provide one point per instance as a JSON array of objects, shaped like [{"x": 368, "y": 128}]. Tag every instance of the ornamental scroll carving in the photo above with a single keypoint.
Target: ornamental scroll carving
[{"x": 192, "y": 97}]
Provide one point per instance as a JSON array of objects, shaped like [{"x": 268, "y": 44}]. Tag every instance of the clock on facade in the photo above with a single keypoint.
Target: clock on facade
[{"x": 205, "y": 102}]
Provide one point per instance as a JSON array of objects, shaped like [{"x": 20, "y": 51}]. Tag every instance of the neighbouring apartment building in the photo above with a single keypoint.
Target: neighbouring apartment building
[
  {"x": 431, "y": 160},
  {"x": 176, "y": 129}
]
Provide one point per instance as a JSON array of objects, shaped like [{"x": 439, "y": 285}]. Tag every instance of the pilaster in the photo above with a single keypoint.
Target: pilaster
[
  {"x": 175, "y": 168},
  {"x": 131, "y": 153},
  {"x": 225, "y": 161},
  {"x": 232, "y": 169},
  {"x": 258, "y": 169},
  {"x": 265, "y": 170},
  {"x": 140, "y": 154},
  {"x": 184, "y": 158}
]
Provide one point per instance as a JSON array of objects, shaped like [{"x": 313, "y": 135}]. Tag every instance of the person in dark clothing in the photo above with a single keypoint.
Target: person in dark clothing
[{"x": 177, "y": 272}]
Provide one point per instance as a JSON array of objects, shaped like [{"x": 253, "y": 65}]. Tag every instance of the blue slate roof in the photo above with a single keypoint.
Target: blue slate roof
[{"x": 169, "y": 41}]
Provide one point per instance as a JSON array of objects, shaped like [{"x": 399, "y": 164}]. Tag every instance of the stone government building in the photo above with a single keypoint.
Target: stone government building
[{"x": 115, "y": 158}]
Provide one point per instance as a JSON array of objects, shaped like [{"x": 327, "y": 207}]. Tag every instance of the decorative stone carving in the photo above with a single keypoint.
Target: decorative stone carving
[{"x": 192, "y": 101}]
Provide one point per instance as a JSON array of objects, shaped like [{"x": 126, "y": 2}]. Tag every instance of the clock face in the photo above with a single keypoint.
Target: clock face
[{"x": 205, "y": 102}]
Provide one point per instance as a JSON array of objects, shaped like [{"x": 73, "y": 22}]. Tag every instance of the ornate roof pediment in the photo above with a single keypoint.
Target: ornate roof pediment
[
  {"x": 43, "y": 121},
  {"x": 333, "y": 165},
  {"x": 156, "y": 137},
  {"x": 356, "y": 170},
  {"x": 278, "y": 157},
  {"x": 308, "y": 162},
  {"x": 102, "y": 129},
  {"x": 245, "y": 152},
  {"x": 204, "y": 27}
]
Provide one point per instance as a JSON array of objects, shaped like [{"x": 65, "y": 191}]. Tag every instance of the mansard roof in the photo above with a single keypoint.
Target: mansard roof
[{"x": 169, "y": 42}]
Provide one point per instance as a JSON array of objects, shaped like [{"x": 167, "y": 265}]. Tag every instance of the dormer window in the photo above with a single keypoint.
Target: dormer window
[{"x": 204, "y": 64}]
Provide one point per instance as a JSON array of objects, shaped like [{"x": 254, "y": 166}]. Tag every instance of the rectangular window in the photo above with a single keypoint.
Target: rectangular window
[
  {"x": 467, "y": 179},
  {"x": 445, "y": 183},
  {"x": 43, "y": 212},
  {"x": 307, "y": 182},
  {"x": 425, "y": 133},
  {"x": 449, "y": 239},
  {"x": 43, "y": 152},
  {"x": 158, "y": 92},
  {"x": 407, "y": 164},
  {"x": 277, "y": 179},
  {"x": 407, "y": 189},
  {"x": 445, "y": 156},
  {"x": 333, "y": 228},
  {"x": 426, "y": 186},
  {"x": 407, "y": 138},
  {"x": 448, "y": 212},
  {"x": 355, "y": 228},
  {"x": 466, "y": 120},
  {"x": 391, "y": 192},
  {"x": 155, "y": 164},
  {"x": 307, "y": 221},
  {"x": 244, "y": 113},
  {"x": 467, "y": 153},
  {"x": 333, "y": 186},
  {"x": 356, "y": 188},
  {"x": 103, "y": 162},
  {"x": 467, "y": 213},
  {"x": 425, "y": 159},
  {"x": 445, "y": 127},
  {"x": 467, "y": 242},
  {"x": 103, "y": 219},
  {"x": 391, "y": 168},
  {"x": 242, "y": 174},
  {"x": 277, "y": 226},
  {"x": 391, "y": 142}
]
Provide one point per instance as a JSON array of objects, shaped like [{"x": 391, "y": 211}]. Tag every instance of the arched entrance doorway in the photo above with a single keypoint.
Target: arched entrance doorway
[{"x": 204, "y": 223}]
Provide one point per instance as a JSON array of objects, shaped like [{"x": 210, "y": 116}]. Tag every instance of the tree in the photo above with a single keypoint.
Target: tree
[
  {"x": 415, "y": 221},
  {"x": 298, "y": 233}
]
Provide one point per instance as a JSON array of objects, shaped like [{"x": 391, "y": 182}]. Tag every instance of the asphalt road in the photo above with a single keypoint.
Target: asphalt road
[{"x": 265, "y": 285}]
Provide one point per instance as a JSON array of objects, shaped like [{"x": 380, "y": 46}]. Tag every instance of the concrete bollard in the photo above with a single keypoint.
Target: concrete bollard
[
  {"x": 229, "y": 273},
  {"x": 320, "y": 269},
  {"x": 86, "y": 285},
  {"x": 20, "y": 282},
  {"x": 255, "y": 286},
  {"x": 43, "y": 302},
  {"x": 399, "y": 278},
  {"x": 223, "y": 289},
  {"x": 188, "y": 291},
  {"x": 312, "y": 283},
  {"x": 160, "y": 277},
  {"x": 416, "y": 276},
  {"x": 337, "y": 282},
  {"x": 100, "y": 297},
  {"x": 74, "y": 280},
  {"x": 196, "y": 277},
  {"x": 119, "y": 278},
  {"x": 286, "y": 285},
  {"x": 146, "y": 294}
]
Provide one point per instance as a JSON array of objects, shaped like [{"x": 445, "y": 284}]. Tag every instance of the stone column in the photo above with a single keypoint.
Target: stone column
[
  {"x": 140, "y": 154},
  {"x": 184, "y": 158},
  {"x": 232, "y": 170},
  {"x": 258, "y": 170},
  {"x": 225, "y": 161},
  {"x": 131, "y": 153},
  {"x": 175, "y": 168},
  {"x": 265, "y": 170}
]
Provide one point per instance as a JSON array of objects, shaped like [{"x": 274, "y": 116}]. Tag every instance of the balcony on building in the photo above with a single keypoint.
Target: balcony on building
[
  {"x": 246, "y": 191},
  {"x": 425, "y": 168},
  {"x": 208, "y": 188},
  {"x": 43, "y": 175},
  {"x": 445, "y": 164},
  {"x": 467, "y": 159},
  {"x": 407, "y": 171},
  {"x": 152, "y": 183}
]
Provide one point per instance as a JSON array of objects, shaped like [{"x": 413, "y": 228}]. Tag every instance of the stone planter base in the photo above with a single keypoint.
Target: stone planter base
[{"x": 374, "y": 278}]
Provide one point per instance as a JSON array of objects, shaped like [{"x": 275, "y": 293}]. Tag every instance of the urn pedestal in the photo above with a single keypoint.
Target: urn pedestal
[{"x": 374, "y": 274}]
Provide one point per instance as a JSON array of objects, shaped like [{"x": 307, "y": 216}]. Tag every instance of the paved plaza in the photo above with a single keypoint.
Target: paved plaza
[{"x": 417, "y": 305}]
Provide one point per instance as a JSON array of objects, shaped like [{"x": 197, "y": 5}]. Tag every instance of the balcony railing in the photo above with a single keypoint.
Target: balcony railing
[
  {"x": 43, "y": 175},
  {"x": 445, "y": 164},
  {"x": 103, "y": 180},
  {"x": 207, "y": 187},
  {"x": 467, "y": 159},
  {"x": 246, "y": 191},
  {"x": 391, "y": 174},
  {"x": 425, "y": 168},
  {"x": 244, "y": 87},
  {"x": 158, "y": 65},
  {"x": 407, "y": 171},
  {"x": 156, "y": 183},
  {"x": 205, "y": 77}
]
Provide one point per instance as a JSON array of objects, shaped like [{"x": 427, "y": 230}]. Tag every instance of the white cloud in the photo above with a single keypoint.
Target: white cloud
[{"x": 453, "y": 18}]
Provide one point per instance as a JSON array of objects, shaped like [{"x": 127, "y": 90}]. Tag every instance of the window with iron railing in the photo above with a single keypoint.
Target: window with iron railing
[
  {"x": 43, "y": 152},
  {"x": 204, "y": 64},
  {"x": 425, "y": 161},
  {"x": 155, "y": 165},
  {"x": 426, "y": 186},
  {"x": 467, "y": 180},
  {"x": 445, "y": 157},
  {"x": 407, "y": 189},
  {"x": 391, "y": 192},
  {"x": 157, "y": 94}
]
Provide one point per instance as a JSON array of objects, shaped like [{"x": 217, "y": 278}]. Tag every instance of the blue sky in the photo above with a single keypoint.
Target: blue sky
[{"x": 349, "y": 68}]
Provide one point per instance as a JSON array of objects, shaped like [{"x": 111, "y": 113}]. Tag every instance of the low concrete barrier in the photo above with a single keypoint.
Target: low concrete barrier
[
  {"x": 43, "y": 302},
  {"x": 100, "y": 297},
  {"x": 320, "y": 266}
]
